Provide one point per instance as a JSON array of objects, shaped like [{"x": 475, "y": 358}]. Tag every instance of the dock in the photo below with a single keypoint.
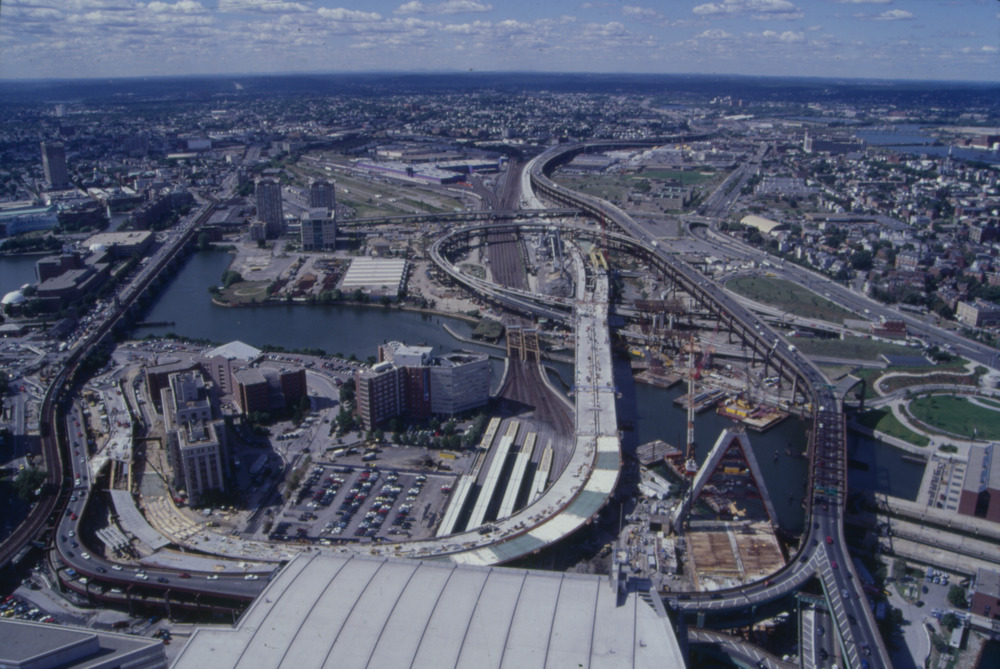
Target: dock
[
  {"x": 759, "y": 418},
  {"x": 704, "y": 400}
]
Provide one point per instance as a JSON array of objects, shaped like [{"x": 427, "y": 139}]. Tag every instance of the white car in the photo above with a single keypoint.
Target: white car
[
  {"x": 250, "y": 577},
  {"x": 116, "y": 567},
  {"x": 85, "y": 556},
  {"x": 142, "y": 576},
  {"x": 212, "y": 577}
]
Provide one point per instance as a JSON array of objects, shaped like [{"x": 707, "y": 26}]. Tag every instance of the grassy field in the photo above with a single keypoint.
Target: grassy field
[
  {"x": 789, "y": 296},
  {"x": 607, "y": 187},
  {"x": 852, "y": 348},
  {"x": 686, "y": 177},
  {"x": 245, "y": 292},
  {"x": 883, "y": 421},
  {"x": 957, "y": 415}
]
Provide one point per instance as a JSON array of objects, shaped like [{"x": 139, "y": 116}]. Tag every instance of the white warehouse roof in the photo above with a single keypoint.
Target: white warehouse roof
[
  {"x": 349, "y": 611},
  {"x": 375, "y": 275}
]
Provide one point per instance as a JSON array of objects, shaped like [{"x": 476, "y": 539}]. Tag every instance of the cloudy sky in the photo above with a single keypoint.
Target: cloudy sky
[{"x": 909, "y": 39}]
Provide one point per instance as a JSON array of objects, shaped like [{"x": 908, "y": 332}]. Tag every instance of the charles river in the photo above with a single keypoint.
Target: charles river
[{"x": 357, "y": 331}]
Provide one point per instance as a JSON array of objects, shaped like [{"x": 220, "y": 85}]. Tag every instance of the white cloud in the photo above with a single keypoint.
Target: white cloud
[
  {"x": 758, "y": 9},
  {"x": 182, "y": 7},
  {"x": 273, "y": 6},
  {"x": 979, "y": 49},
  {"x": 636, "y": 12},
  {"x": 893, "y": 15},
  {"x": 714, "y": 33},
  {"x": 788, "y": 36},
  {"x": 446, "y": 7},
  {"x": 348, "y": 15}
]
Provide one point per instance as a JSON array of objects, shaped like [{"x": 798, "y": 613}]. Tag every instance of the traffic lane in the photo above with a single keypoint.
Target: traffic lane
[{"x": 234, "y": 585}]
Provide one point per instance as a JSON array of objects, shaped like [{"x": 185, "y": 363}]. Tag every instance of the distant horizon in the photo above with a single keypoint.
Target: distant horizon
[
  {"x": 554, "y": 73},
  {"x": 881, "y": 40}
]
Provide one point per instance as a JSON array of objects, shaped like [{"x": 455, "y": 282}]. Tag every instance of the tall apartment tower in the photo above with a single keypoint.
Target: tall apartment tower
[
  {"x": 269, "y": 207},
  {"x": 321, "y": 195},
  {"x": 54, "y": 164}
]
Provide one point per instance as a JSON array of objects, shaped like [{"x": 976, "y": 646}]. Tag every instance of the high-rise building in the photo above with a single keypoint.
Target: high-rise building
[
  {"x": 322, "y": 196},
  {"x": 319, "y": 230},
  {"x": 54, "y": 164},
  {"x": 269, "y": 208}
]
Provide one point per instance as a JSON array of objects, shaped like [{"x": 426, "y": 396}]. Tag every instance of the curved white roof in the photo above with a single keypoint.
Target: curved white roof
[
  {"x": 13, "y": 297},
  {"x": 342, "y": 611}
]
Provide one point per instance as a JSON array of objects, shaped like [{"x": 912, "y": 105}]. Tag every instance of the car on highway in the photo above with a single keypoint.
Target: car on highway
[
  {"x": 212, "y": 577},
  {"x": 829, "y": 539},
  {"x": 250, "y": 577}
]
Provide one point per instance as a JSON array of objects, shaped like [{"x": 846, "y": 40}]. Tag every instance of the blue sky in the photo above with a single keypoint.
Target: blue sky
[{"x": 907, "y": 39}]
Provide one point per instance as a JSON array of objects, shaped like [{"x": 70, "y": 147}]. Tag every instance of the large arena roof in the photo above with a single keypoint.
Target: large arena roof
[{"x": 349, "y": 611}]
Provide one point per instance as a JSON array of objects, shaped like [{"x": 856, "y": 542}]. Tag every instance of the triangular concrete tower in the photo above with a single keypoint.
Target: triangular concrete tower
[{"x": 732, "y": 451}]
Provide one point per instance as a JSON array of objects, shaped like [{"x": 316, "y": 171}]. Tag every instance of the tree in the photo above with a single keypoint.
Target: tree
[
  {"x": 957, "y": 597},
  {"x": 949, "y": 621},
  {"x": 28, "y": 481},
  {"x": 861, "y": 260}
]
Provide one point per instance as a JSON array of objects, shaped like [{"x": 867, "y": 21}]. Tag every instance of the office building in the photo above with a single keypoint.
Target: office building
[
  {"x": 54, "y": 165},
  {"x": 196, "y": 443},
  {"x": 410, "y": 380},
  {"x": 269, "y": 207},
  {"x": 319, "y": 230},
  {"x": 459, "y": 382},
  {"x": 267, "y": 388},
  {"x": 322, "y": 195},
  {"x": 198, "y": 448},
  {"x": 379, "y": 394}
]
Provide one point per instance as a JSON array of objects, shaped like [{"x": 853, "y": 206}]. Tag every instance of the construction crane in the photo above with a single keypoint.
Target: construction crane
[{"x": 694, "y": 372}]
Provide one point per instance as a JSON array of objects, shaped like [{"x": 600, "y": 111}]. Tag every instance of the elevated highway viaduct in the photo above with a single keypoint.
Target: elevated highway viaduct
[{"x": 823, "y": 552}]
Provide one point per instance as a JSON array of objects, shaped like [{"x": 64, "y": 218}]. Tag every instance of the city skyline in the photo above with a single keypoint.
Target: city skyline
[{"x": 880, "y": 39}]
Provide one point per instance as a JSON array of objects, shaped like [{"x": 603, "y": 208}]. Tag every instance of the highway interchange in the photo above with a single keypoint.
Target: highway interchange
[{"x": 823, "y": 552}]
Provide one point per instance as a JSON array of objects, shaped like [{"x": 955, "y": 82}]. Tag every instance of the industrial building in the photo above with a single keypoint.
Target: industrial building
[
  {"x": 349, "y": 611},
  {"x": 985, "y": 593},
  {"x": 424, "y": 173},
  {"x": 375, "y": 277},
  {"x": 19, "y": 217},
  {"x": 121, "y": 244}
]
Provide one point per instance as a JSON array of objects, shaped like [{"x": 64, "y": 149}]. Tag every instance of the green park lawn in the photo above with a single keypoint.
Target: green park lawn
[
  {"x": 789, "y": 296},
  {"x": 957, "y": 415}
]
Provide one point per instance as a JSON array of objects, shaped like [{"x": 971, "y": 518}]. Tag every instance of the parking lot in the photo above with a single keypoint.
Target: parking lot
[{"x": 345, "y": 503}]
